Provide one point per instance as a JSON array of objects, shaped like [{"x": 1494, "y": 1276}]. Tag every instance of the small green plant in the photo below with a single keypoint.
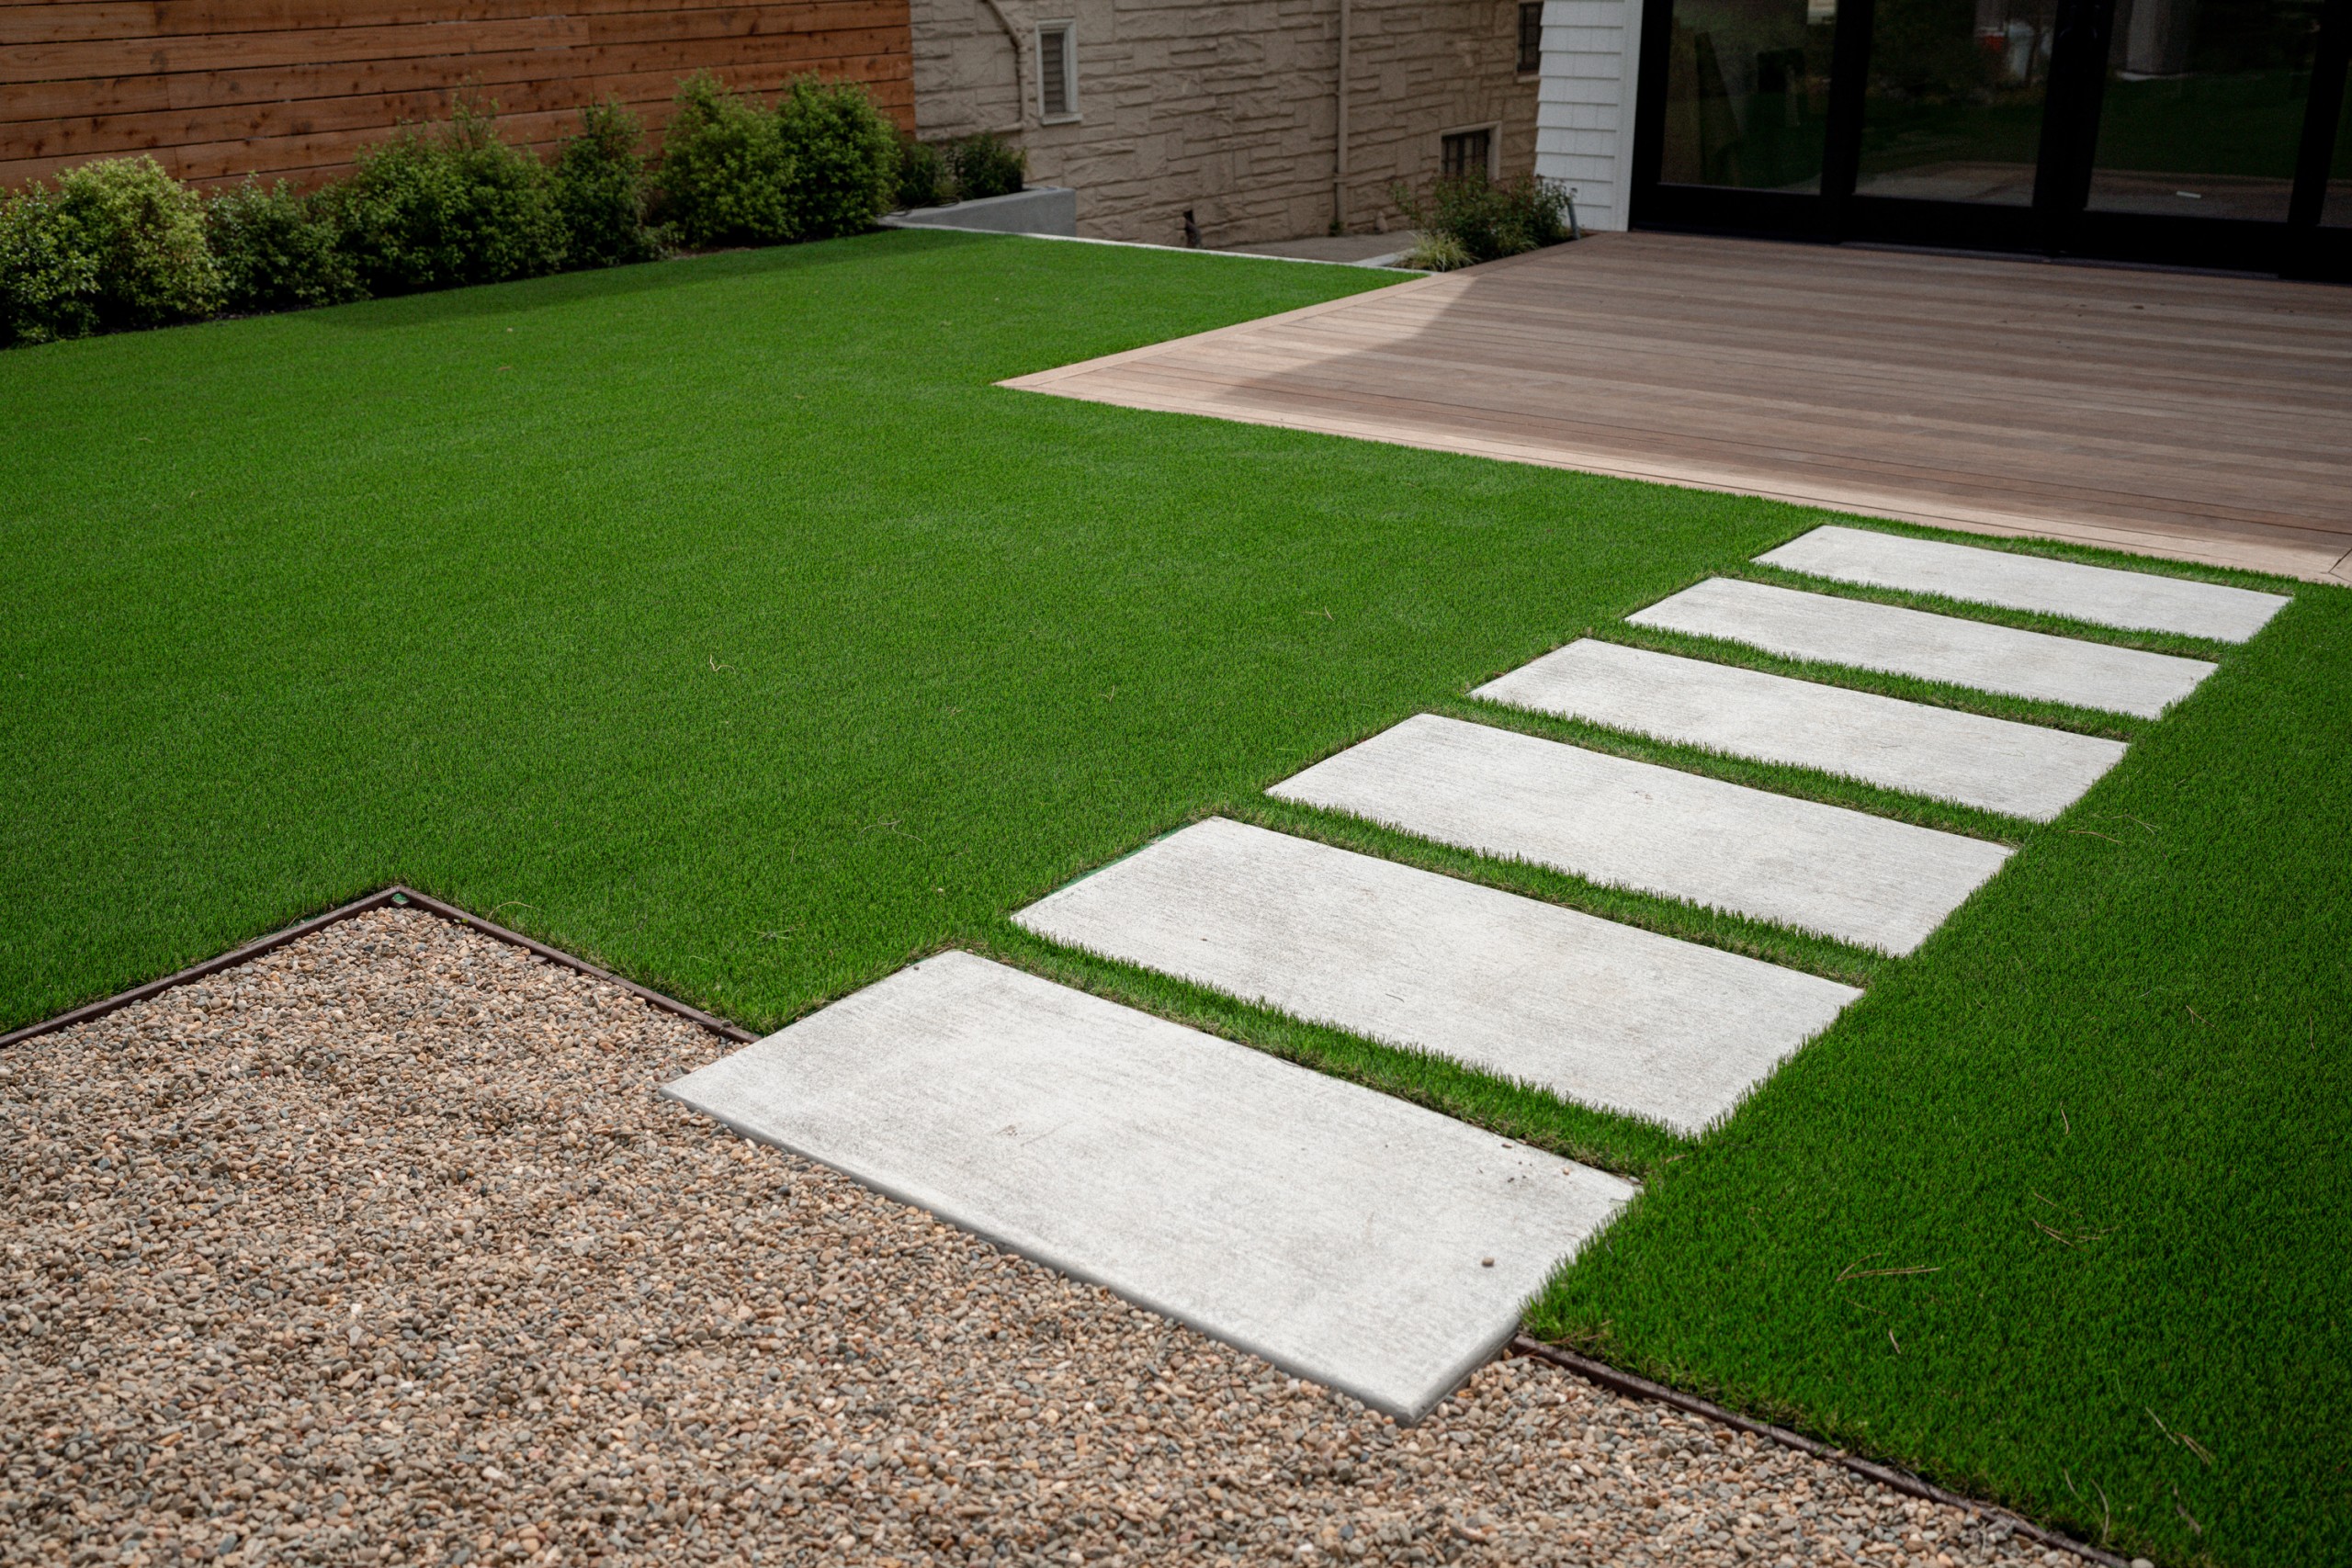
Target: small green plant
[
  {"x": 435, "y": 208},
  {"x": 1439, "y": 252},
  {"x": 923, "y": 174},
  {"x": 985, "y": 165},
  {"x": 119, "y": 244},
  {"x": 600, "y": 191},
  {"x": 274, "y": 253},
  {"x": 725, "y": 179},
  {"x": 1470, "y": 218},
  {"x": 844, "y": 155}
]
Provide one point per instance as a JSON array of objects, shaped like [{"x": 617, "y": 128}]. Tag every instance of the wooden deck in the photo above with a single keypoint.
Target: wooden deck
[{"x": 2200, "y": 418}]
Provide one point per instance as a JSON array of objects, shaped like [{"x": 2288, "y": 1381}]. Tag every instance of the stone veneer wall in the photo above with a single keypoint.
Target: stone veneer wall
[{"x": 1226, "y": 107}]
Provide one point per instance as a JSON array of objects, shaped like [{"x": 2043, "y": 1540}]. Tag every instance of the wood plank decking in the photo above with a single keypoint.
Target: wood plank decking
[{"x": 2201, "y": 418}]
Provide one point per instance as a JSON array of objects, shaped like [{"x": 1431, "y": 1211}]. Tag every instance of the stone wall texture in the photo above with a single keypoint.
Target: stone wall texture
[{"x": 1228, "y": 107}]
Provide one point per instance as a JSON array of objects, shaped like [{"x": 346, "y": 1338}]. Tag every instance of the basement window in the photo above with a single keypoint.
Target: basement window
[
  {"x": 1466, "y": 153},
  {"x": 1057, "y": 71},
  {"x": 1530, "y": 38}
]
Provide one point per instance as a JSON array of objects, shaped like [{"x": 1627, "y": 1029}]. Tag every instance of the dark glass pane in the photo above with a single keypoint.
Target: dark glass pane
[
  {"x": 2204, "y": 105},
  {"x": 2338, "y": 207},
  {"x": 1747, "y": 92},
  {"x": 1951, "y": 110}
]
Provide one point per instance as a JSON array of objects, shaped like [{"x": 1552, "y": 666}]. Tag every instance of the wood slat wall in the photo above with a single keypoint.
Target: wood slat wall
[{"x": 215, "y": 89}]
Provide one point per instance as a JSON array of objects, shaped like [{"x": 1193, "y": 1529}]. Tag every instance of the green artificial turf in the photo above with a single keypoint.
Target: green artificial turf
[
  {"x": 720, "y": 621},
  {"x": 2058, "y": 1210}
]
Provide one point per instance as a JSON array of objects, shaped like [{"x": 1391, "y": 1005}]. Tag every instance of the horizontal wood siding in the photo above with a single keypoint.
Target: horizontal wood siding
[{"x": 216, "y": 89}]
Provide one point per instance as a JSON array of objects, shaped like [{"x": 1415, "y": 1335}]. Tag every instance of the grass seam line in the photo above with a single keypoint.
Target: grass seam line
[
  {"x": 397, "y": 896},
  {"x": 1603, "y": 1375}
]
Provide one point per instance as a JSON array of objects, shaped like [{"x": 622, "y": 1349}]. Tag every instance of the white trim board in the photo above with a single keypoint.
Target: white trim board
[
  {"x": 2143, "y": 600},
  {"x": 1843, "y": 874},
  {"x": 1995, "y": 764},
  {"x": 1595, "y": 1011},
  {"x": 1830, "y": 630},
  {"x": 1343, "y": 1235}
]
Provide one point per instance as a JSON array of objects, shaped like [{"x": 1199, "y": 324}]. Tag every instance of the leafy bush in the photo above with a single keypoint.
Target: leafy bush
[
  {"x": 274, "y": 253},
  {"x": 1485, "y": 218},
  {"x": 985, "y": 165},
  {"x": 843, "y": 153},
  {"x": 434, "y": 208},
  {"x": 600, "y": 191},
  {"x": 119, "y": 243},
  {"x": 725, "y": 179},
  {"x": 824, "y": 162},
  {"x": 923, "y": 174}
]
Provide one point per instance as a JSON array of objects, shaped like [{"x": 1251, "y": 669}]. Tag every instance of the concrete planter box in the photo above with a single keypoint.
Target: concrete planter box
[{"x": 1039, "y": 210}]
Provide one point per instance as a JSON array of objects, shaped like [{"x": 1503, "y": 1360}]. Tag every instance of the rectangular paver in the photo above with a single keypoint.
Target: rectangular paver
[
  {"x": 2140, "y": 599},
  {"x": 1929, "y": 647},
  {"x": 1343, "y": 1235},
  {"x": 1594, "y": 1010},
  {"x": 2025, "y": 770},
  {"x": 1611, "y": 819}
]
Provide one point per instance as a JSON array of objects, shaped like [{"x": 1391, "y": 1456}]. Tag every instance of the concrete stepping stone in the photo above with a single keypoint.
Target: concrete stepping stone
[
  {"x": 2022, "y": 769},
  {"x": 1343, "y": 1235},
  {"x": 1931, "y": 648},
  {"x": 1594, "y": 1010},
  {"x": 1844, "y": 873},
  {"x": 2103, "y": 595}
]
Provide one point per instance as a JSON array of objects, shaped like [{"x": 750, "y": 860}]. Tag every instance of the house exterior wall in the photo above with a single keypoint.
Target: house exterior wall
[
  {"x": 1228, "y": 108},
  {"x": 1584, "y": 136}
]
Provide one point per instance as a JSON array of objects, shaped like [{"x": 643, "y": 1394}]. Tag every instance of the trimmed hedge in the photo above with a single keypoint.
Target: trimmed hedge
[
  {"x": 823, "y": 162},
  {"x": 443, "y": 207},
  {"x": 119, "y": 243},
  {"x": 275, "y": 251},
  {"x": 601, "y": 191}
]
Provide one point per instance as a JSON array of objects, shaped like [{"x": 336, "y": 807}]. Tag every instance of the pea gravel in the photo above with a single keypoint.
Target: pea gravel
[{"x": 380, "y": 1249}]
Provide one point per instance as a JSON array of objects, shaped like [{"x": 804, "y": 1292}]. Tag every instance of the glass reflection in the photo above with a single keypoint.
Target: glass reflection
[
  {"x": 1747, "y": 92},
  {"x": 1951, "y": 110},
  {"x": 2336, "y": 210},
  {"x": 2204, "y": 105}
]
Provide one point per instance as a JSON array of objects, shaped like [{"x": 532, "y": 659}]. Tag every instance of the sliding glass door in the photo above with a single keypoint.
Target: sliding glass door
[{"x": 2206, "y": 132}]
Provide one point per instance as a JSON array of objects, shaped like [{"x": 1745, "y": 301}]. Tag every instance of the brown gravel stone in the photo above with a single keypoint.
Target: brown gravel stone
[{"x": 381, "y": 1249}]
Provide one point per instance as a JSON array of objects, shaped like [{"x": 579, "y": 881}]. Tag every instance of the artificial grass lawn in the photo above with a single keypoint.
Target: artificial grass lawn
[{"x": 721, "y": 622}]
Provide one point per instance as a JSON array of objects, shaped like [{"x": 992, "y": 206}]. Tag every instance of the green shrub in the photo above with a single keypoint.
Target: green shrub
[
  {"x": 119, "y": 243},
  {"x": 922, "y": 174},
  {"x": 1487, "y": 219},
  {"x": 1439, "y": 252},
  {"x": 274, "y": 251},
  {"x": 600, "y": 191},
  {"x": 843, "y": 156},
  {"x": 437, "y": 208},
  {"x": 985, "y": 165},
  {"x": 725, "y": 179}
]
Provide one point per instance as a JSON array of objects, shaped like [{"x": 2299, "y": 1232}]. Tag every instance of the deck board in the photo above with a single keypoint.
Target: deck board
[{"x": 2200, "y": 418}]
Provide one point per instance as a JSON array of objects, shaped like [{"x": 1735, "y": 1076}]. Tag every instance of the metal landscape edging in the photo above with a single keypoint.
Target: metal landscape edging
[
  {"x": 1626, "y": 1384},
  {"x": 398, "y": 896}
]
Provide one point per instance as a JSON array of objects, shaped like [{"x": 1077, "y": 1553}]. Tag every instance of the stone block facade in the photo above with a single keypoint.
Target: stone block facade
[{"x": 1229, "y": 107}]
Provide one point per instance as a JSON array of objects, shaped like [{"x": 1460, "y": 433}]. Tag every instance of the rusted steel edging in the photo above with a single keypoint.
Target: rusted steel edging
[
  {"x": 394, "y": 897},
  {"x": 1626, "y": 1384}
]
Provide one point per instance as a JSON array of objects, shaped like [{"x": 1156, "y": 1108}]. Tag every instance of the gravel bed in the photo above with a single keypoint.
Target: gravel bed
[{"x": 381, "y": 1249}]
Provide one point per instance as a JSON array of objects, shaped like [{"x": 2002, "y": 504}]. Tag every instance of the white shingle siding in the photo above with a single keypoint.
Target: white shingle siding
[{"x": 1582, "y": 135}]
